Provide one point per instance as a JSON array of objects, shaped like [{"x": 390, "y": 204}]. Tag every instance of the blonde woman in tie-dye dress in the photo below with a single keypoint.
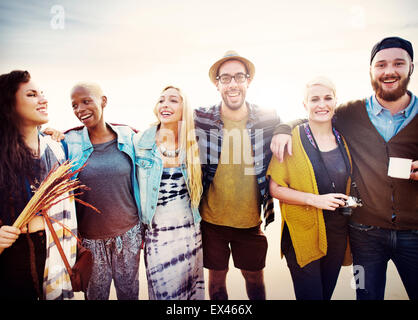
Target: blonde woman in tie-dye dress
[{"x": 169, "y": 176}]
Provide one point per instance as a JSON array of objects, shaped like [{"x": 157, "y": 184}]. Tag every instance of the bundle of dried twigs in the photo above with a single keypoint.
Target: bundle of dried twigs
[{"x": 57, "y": 186}]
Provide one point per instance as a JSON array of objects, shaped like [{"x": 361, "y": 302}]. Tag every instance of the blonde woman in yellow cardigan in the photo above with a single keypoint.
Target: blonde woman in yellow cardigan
[{"x": 312, "y": 185}]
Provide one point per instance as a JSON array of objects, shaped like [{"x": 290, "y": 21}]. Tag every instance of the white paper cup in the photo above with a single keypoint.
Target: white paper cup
[{"x": 399, "y": 168}]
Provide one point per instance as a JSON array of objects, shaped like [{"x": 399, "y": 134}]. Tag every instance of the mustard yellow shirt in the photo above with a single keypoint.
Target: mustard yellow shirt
[{"x": 232, "y": 198}]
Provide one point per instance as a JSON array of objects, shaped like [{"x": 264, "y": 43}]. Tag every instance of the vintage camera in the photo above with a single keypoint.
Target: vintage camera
[{"x": 350, "y": 203}]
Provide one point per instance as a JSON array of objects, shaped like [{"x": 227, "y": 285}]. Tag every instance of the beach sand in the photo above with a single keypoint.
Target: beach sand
[{"x": 277, "y": 276}]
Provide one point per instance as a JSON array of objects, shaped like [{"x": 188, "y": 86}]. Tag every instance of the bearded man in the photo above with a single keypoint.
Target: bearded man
[{"x": 377, "y": 128}]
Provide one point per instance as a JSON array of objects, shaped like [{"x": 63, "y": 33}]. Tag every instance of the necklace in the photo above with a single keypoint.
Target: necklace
[
  {"x": 36, "y": 154},
  {"x": 312, "y": 139},
  {"x": 169, "y": 153},
  {"x": 340, "y": 145}
]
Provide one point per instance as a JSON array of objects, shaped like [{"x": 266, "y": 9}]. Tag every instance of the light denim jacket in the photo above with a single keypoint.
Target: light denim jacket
[
  {"x": 149, "y": 166},
  {"x": 80, "y": 149}
]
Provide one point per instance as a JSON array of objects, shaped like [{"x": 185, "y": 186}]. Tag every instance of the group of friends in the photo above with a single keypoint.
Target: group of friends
[{"x": 194, "y": 188}]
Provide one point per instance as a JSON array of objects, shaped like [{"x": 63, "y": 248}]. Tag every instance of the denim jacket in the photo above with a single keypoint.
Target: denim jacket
[
  {"x": 80, "y": 149},
  {"x": 149, "y": 166}
]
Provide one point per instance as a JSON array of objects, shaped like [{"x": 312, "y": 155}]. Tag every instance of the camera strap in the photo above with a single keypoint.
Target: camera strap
[{"x": 341, "y": 146}]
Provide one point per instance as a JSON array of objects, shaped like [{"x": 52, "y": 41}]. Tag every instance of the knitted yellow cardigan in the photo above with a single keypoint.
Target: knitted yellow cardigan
[{"x": 306, "y": 223}]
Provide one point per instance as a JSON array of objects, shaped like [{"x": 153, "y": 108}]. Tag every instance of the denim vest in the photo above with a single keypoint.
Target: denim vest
[
  {"x": 80, "y": 149},
  {"x": 149, "y": 166}
]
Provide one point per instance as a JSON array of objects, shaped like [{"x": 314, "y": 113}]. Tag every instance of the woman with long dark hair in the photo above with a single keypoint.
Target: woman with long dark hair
[{"x": 30, "y": 265}]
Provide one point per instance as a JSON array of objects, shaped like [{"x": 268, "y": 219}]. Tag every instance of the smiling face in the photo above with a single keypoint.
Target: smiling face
[
  {"x": 169, "y": 108},
  {"x": 31, "y": 105},
  {"x": 233, "y": 93},
  {"x": 390, "y": 73},
  {"x": 88, "y": 105},
  {"x": 320, "y": 103}
]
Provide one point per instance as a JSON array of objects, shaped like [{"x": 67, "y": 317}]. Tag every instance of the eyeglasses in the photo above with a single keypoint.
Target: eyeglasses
[{"x": 227, "y": 78}]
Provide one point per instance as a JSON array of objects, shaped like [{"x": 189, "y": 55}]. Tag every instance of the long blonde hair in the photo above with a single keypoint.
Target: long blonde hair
[{"x": 188, "y": 148}]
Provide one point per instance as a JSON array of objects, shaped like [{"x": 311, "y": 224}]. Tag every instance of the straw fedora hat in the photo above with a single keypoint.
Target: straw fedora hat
[{"x": 231, "y": 55}]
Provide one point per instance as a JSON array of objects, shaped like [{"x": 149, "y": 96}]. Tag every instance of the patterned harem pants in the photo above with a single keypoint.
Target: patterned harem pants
[{"x": 118, "y": 259}]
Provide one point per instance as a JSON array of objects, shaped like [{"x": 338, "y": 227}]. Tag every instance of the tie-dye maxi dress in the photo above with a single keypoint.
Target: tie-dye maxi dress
[{"x": 173, "y": 244}]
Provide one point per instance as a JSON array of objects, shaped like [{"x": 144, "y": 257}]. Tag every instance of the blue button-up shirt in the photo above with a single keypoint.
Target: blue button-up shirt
[{"x": 389, "y": 125}]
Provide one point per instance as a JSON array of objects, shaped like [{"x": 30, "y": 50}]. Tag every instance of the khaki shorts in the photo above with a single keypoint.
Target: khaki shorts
[{"x": 248, "y": 247}]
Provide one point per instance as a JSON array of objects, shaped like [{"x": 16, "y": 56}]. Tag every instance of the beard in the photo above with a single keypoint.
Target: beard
[
  {"x": 233, "y": 105},
  {"x": 391, "y": 95}
]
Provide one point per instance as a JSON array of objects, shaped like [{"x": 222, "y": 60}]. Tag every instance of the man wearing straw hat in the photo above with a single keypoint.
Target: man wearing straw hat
[{"x": 234, "y": 141}]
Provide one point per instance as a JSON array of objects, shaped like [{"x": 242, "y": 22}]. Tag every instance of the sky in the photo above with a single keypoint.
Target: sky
[{"x": 134, "y": 48}]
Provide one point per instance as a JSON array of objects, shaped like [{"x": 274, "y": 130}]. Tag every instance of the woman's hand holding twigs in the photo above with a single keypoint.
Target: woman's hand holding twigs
[{"x": 8, "y": 236}]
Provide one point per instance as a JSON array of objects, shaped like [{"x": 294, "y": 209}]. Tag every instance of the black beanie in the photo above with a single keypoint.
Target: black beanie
[{"x": 392, "y": 42}]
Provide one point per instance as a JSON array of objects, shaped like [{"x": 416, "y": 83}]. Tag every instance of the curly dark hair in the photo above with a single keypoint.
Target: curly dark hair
[{"x": 16, "y": 159}]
